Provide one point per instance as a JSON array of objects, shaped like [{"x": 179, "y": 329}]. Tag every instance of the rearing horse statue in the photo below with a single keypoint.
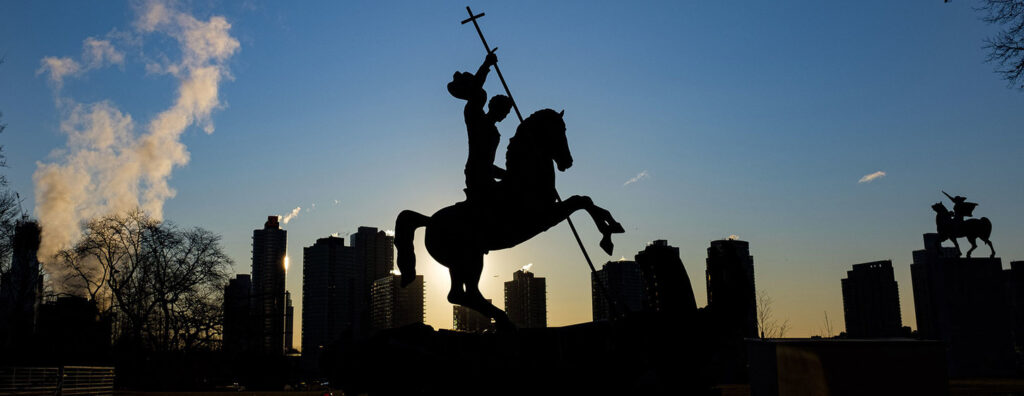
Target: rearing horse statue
[
  {"x": 459, "y": 235},
  {"x": 949, "y": 228}
]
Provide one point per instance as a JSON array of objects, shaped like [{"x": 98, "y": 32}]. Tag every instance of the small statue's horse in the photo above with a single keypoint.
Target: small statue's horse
[
  {"x": 972, "y": 229},
  {"x": 526, "y": 204}
]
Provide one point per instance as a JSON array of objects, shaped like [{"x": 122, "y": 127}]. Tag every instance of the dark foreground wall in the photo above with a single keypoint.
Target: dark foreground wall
[
  {"x": 646, "y": 355},
  {"x": 847, "y": 367}
]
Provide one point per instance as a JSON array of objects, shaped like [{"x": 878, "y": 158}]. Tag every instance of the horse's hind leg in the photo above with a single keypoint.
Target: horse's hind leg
[
  {"x": 479, "y": 304},
  {"x": 457, "y": 293},
  {"x": 989, "y": 243},
  {"x": 405, "y": 229},
  {"x": 974, "y": 245},
  {"x": 473, "y": 299}
]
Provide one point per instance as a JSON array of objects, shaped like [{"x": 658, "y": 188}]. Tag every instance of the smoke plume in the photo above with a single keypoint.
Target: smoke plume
[
  {"x": 110, "y": 164},
  {"x": 288, "y": 217}
]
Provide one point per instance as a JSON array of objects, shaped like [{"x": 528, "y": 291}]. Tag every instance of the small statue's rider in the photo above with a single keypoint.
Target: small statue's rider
[
  {"x": 961, "y": 208},
  {"x": 483, "y": 134}
]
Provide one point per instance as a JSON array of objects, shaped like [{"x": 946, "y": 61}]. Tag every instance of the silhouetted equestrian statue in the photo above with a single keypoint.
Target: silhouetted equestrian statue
[
  {"x": 497, "y": 214},
  {"x": 952, "y": 225}
]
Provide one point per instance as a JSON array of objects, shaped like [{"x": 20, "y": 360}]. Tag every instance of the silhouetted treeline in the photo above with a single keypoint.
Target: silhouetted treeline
[{"x": 160, "y": 285}]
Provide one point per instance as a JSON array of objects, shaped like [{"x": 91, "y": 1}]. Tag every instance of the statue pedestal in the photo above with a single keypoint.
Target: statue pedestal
[
  {"x": 645, "y": 354},
  {"x": 963, "y": 303}
]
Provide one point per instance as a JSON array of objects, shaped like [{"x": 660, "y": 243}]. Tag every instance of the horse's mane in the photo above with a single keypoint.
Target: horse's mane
[{"x": 530, "y": 132}]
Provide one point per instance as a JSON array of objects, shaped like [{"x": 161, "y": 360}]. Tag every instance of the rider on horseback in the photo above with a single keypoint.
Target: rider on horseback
[
  {"x": 483, "y": 134},
  {"x": 961, "y": 208}
]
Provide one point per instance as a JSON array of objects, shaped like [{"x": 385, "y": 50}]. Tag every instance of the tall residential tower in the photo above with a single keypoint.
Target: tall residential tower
[
  {"x": 871, "y": 301},
  {"x": 269, "y": 247}
]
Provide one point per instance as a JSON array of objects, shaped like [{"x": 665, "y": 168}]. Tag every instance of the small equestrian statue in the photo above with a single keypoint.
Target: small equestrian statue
[
  {"x": 952, "y": 225},
  {"x": 496, "y": 214}
]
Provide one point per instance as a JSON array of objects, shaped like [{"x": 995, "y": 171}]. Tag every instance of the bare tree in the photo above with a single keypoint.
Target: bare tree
[
  {"x": 1007, "y": 47},
  {"x": 162, "y": 283},
  {"x": 769, "y": 326},
  {"x": 10, "y": 211},
  {"x": 827, "y": 330}
]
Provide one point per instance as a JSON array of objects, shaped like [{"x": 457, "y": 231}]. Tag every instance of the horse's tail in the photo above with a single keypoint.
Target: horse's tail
[{"x": 405, "y": 230}]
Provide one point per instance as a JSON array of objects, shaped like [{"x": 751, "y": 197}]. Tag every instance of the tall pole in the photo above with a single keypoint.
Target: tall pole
[{"x": 473, "y": 18}]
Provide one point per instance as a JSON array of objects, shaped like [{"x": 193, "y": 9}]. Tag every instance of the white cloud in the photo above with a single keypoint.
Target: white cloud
[
  {"x": 871, "y": 177},
  {"x": 639, "y": 176}
]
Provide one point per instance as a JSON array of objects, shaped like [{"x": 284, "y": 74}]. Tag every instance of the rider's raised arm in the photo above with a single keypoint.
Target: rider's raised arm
[
  {"x": 481, "y": 74},
  {"x": 478, "y": 98}
]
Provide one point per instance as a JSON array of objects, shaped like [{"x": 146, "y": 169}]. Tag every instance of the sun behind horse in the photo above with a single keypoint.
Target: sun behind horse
[{"x": 459, "y": 235}]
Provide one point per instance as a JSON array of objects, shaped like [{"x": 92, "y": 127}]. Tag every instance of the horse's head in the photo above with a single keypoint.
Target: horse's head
[
  {"x": 940, "y": 208},
  {"x": 548, "y": 130}
]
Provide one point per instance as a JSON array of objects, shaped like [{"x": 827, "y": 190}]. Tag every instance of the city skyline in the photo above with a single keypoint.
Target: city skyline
[{"x": 690, "y": 125}]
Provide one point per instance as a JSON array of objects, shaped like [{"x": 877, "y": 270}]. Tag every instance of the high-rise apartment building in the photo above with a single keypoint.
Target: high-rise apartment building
[
  {"x": 237, "y": 322},
  {"x": 625, "y": 286},
  {"x": 526, "y": 300},
  {"x": 269, "y": 246},
  {"x": 330, "y": 284},
  {"x": 666, "y": 285},
  {"x": 871, "y": 301},
  {"x": 730, "y": 287},
  {"x": 374, "y": 252},
  {"x": 21, "y": 288}
]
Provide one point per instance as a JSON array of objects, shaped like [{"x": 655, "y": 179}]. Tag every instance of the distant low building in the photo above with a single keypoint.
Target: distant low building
[
  {"x": 1015, "y": 294},
  {"x": 468, "y": 320},
  {"x": 289, "y": 323},
  {"x": 394, "y": 305}
]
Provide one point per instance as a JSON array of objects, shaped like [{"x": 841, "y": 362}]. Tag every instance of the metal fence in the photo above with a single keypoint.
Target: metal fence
[{"x": 67, "y": 380}]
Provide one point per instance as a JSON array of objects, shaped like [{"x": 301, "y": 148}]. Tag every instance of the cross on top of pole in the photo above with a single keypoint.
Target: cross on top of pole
[{"x": 473, "y": 18}]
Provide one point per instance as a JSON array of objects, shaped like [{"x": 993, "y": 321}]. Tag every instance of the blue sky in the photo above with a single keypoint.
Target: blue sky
[{"x": 755, "y": 119}]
